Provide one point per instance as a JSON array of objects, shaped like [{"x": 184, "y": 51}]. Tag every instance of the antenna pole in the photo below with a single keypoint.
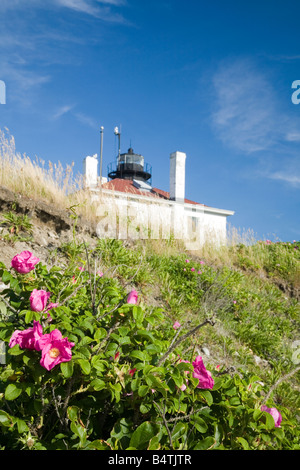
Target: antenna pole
[
  {"x": 101, "y": 154},
  {"x": 118, "y": 133}
]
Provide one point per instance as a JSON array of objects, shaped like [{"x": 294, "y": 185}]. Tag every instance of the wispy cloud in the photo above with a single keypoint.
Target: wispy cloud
[
  {"x": 16, "y": 4},
  {"x": 97, "y": 8},
  {"x": 101, "y": 9},
  {"x": 62, "y": 111},
  {"x": 86, "y": 120},
  {"x": 27, "y": 53},
  {"x": 293, "y": 136},
  {"x": 21, "y": 81},
  {"x": 249, "y": 118},
  {"x": 290, "y": 178},
  {"x": 245, "y": 115},
  {"x": 71, "y": 111}
]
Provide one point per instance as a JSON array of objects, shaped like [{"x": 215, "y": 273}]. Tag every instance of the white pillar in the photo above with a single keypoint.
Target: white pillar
[
  {"x": 177, "y": 176},
  {"x": 90, "y": 170}
]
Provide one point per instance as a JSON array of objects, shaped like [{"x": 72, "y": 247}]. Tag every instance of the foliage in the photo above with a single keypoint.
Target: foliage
[
  {"x": 18, "y": 225},
  {"x": 124, "y": 387}
]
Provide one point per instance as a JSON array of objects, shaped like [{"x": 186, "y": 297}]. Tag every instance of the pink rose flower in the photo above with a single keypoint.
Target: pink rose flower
[
  {"x": 27, "y": 339},
  {"x": 274, "y": 413},
  {"x": 132, "y": 297},
  {"x": 176, "y": 325},
  {"x": 187, "y": 260},
  {"x": 199, "y": 272},
  {"x": 192, "y": 269},
  {"x": 38, "y": 300},
  {"x": 55, "y": 349},
  {"x": 51, "y": 305},
  {"x": 204, "y": 376},
  {"x": 24, "y": 262}
]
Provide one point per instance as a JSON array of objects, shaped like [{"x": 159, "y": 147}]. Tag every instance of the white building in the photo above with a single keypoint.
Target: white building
[{"x": 129, "y": 207}]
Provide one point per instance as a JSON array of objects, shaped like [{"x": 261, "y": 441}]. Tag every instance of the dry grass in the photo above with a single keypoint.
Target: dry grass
[{"x": 54, "y": 185}]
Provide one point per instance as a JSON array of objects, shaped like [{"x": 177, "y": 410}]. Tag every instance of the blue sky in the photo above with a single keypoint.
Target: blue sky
[{"x": 212, "y": 79}]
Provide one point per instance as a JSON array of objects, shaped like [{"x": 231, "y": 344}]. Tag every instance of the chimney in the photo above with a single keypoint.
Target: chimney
[
  {"x": 177, "y": 176},
  {"x": 90, "y": 167}
]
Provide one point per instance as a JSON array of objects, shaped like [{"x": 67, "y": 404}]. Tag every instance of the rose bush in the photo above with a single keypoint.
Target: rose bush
[{"x": 106, "y": 373}]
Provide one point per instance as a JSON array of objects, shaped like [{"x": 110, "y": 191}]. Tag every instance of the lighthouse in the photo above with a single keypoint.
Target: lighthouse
[{"x": 129, "y": 166}]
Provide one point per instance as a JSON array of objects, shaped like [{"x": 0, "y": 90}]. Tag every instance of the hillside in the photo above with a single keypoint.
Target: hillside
[{"x": 246, "y": 297}]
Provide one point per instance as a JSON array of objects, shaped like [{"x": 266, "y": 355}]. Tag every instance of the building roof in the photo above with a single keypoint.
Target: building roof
[{"x": 127, "y": 186}]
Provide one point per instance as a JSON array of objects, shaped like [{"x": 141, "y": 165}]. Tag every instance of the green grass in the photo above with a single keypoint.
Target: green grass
[{"x": 257, "y": 322}]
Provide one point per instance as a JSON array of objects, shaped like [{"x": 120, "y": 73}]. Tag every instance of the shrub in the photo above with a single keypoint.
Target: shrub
[{"x": 97, "y": 372}]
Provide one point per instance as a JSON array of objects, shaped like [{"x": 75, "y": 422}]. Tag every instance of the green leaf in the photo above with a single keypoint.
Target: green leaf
[
  {"x": 100, "y": 444},
  {"x": 178, "y": 431},
  {"x": 73, "y": 412},
  {"x": 139, "y": 355},
  {"x": 146, "y": 334},
  {"x": 257, "y": 414},
  {"x": 205, "y": 443},
  {"x": 79, "y": 430},
  {"x": 12, "y": 391},
  {"x": 143, "y": 390},
  {"x": 244, "y": 443},
  {"x": 143, "y": 434},
  {"x": 279, "y": 433},
  {"x": 207, "y": 397},
  {"x": 67, "y": 369},
  {"x": 6, "y": 277},
  {"x": 84, "y": 365},
  {"x": 15, "y": 350},
  {"x": 145, "y": 408},
  {"x": 199, "y": 424},
  {"x": 22, "y": 426},
  {"x": 185, "y": 366},
  {"x": 100, "y": 333},
  {"x": 270, "y": 423},
  {"x": 98, "y": 384},
  {"x": 5, "y": 419},
  {"x": 28, "y": 316},
  {"x": 154, "y": 443},
  {"x": 135, "y": 384},
  {"x": 138, "y": 314},
  {"x": 234, "y": 401}
]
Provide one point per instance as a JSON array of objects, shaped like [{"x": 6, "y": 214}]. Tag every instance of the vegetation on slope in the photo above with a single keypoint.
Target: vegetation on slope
[{"x": 127, "y": 376}]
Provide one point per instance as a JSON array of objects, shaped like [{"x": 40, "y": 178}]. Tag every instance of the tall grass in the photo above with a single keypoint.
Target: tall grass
[{"x": 54, "y": 185}]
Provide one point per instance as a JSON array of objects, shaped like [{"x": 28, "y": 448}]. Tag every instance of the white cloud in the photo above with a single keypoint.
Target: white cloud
[
  {"x": 249, "y": 117},
  {"x": 290, "y": 178},
  {"x": 86, "y": 120},
  {"x": 62, "y": 111},
  {"x": 101, "y": 9},
  {"x": 92, "y": 7},
  {"x": 293, "y": 136},
  {"x": 79, "y": 116},
  {"x": 21, "y": 81},
  {"x": 245, "y": 115},
  {"x": 15, "y": 4}
]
